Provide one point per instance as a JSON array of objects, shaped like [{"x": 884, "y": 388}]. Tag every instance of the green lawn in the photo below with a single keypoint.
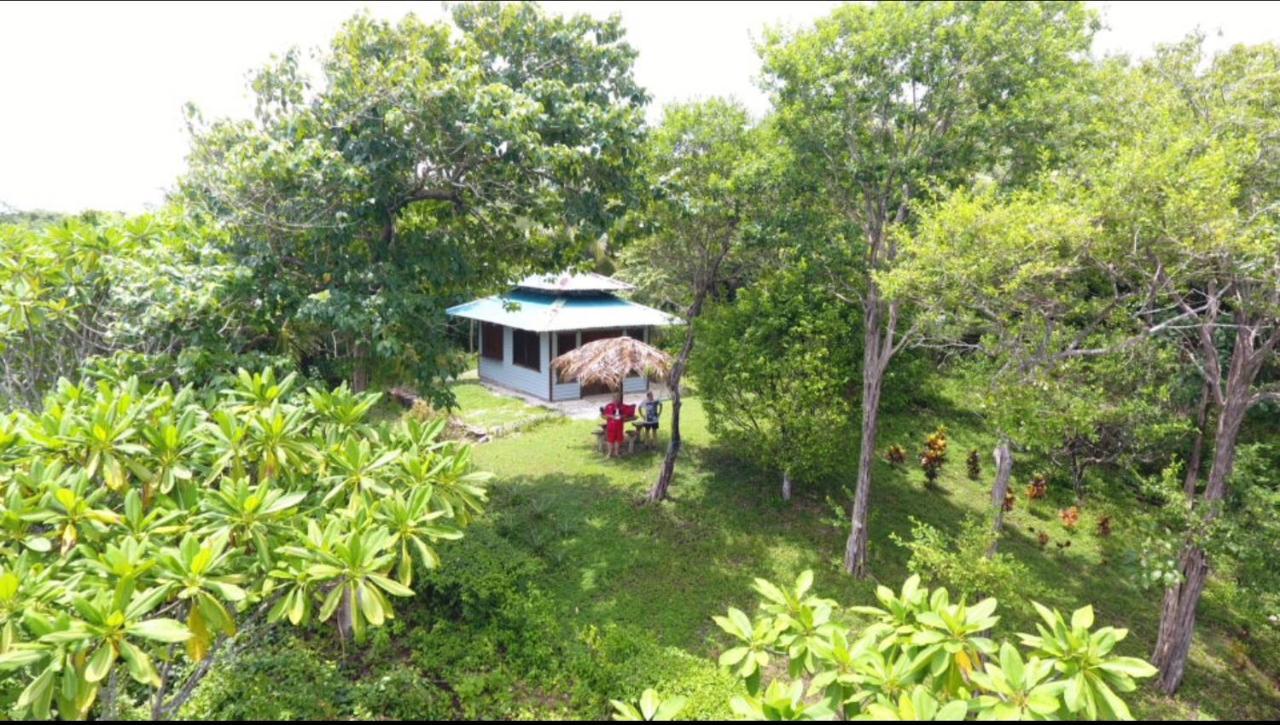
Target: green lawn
[
  {"x": 479, "y": 406},
  {"x": 666, "y": 569}
]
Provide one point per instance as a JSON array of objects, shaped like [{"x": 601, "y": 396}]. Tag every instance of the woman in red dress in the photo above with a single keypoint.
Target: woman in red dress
[{"x": 613, "y": 432}]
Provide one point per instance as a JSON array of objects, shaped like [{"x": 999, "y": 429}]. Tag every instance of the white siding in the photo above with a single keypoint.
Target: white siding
[
  {"x": 637, "y": 384},
  {"x": 514, "y": 376},
  {"x": 567, "y": 391},
  {"x": 536, "y": 383}
]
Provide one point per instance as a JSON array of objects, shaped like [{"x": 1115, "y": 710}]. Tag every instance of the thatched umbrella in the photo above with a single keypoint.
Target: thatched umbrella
[{"x": 612, "y": 359}]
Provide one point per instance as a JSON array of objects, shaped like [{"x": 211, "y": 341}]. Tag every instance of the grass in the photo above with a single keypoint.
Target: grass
[
  {"x": 479, "y": 406},
  {"x": 666, "y": 569}
]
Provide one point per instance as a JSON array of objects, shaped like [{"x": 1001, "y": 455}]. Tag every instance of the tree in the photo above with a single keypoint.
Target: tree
[
  {"x": 429, "y": 163},
  {"x": 698, "y": 160},
  {"x": 774, "y": 377},
  {"x": 1173, "y": 236},
  {"x": 144, "y": 529},
  {"x": 886, "y": 101},
  {"x": 1007, "y": 283},
  {"x": 80, "y": 288},
  {"x": 1196, "y": 194}
]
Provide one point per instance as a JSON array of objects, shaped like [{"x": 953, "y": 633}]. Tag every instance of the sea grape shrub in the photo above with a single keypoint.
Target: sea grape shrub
[
  {"x": 1038, "y": 488},
  {"x": 896, "y": 455},
  {"x": 974, "y": 463},
  {"x": 934, "y": 455},
  {"x": 182, "y": 518},
  {"x": 921, "y": 657}
]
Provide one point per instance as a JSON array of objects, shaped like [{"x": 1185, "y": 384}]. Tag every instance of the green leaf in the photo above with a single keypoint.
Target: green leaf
[
  {"x": 18, "y": 658},
  {"x": 670, "y": 708},
  {"x": 1131, "y": 666},
  {"x": 1082, "y": 618},
  {"x": 953, "y": 711},
  {"x": 733, "y": 656},
  {"x": 37, "y": 695},
  {"x": 391, "y": 586},
  {"x": 769, "y": 591},
  {"x": 140, "y": 666},
  {"x": 100, "y": 663},
  {"x": 161, "y": 630}
]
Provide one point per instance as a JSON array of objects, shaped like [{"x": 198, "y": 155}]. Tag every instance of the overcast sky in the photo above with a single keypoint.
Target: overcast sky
[{"x": 91, "y": 94}]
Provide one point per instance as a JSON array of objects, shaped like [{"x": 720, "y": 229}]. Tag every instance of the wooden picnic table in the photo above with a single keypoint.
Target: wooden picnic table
[{"x": 635, "y": 421}]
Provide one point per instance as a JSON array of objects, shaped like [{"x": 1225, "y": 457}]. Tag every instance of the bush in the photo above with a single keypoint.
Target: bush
[
  {"x": 961, "y": 563},
  {"x": 284, "y": 680},
  {"x": 216, "y": 508},
  {"x": 625, "y": 662},
  {"x": 402, "y": 693},
  {"x": 921, "y": 658}
]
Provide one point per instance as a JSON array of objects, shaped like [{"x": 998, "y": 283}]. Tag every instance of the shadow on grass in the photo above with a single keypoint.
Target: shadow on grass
[
  {"x": 668, "y": 568},
  {"x": 671, "y": 566}
]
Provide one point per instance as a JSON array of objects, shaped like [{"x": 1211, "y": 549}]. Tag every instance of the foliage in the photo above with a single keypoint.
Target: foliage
[
  {"x": 923, "y": 658},
  {"x": 1039, "y": 487},
  {"x": 650, "y": 707},
  {"x": 605, "y": 561},
  {"x": 1053, "y": 269},
  {"x": 704, "y": 162},
  {"x": 963, "y": 562},
  {"x": 934, "y": 455},
  {"x": 973, "y": 465},
  {"x": 185, "y": 519},
  {"x": 896, "y": 455},
  {"x": 432, "y": 160},
  {"x": 774, "y": 373},
  {"x": 87, "y": 287},
  {"x": 885, "y": 102}
]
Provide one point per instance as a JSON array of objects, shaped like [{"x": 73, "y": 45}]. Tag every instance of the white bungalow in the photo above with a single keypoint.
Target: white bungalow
[{"x": 545, "y": 316}]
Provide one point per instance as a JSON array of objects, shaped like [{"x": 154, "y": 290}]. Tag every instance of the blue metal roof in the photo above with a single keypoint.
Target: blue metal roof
[{"x": 547, "y": 313}]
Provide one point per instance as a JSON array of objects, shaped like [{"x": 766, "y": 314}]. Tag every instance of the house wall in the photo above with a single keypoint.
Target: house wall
[
  {"x": 637, "y": 383},
  {"x": 537, "y": 383},
  {"x": 564, "y": 391},
  {"x": 533, "y": 382}
]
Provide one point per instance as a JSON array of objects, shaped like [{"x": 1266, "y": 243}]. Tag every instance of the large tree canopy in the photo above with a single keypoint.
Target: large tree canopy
[
  {"x": 1167, "y": 235},
  {"x": 430, "y": 161},
  {"x": 884, "y": 102},
  {"x": 702, "y": 161}
]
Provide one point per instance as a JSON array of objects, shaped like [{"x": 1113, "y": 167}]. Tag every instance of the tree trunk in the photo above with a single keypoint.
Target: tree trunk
[
  {"x": 1178, "y": 619},
  {"x": 659, "y": 490},
  {"x": 1077, "y": 475},
  {"x": 786, "y": 486},
  {"x": 1178, "y": 616},
  {"x": 855, "y": 551},
  {"x": 1004, "y": 474},
  {"x": 346, "y": 614},
  {"x": 1197, "y": 448},
  {"x": 360, "y": 367}
]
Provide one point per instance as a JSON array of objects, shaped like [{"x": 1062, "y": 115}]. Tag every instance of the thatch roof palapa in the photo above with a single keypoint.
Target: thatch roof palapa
[{"x": 612, "y": 359}]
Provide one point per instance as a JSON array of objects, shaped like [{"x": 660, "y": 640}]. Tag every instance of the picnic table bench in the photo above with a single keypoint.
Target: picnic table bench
[{"x": 631, "y": 436}]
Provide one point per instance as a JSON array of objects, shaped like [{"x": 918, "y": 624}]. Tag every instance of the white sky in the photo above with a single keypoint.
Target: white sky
[{"x": 91, "y": 94}]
